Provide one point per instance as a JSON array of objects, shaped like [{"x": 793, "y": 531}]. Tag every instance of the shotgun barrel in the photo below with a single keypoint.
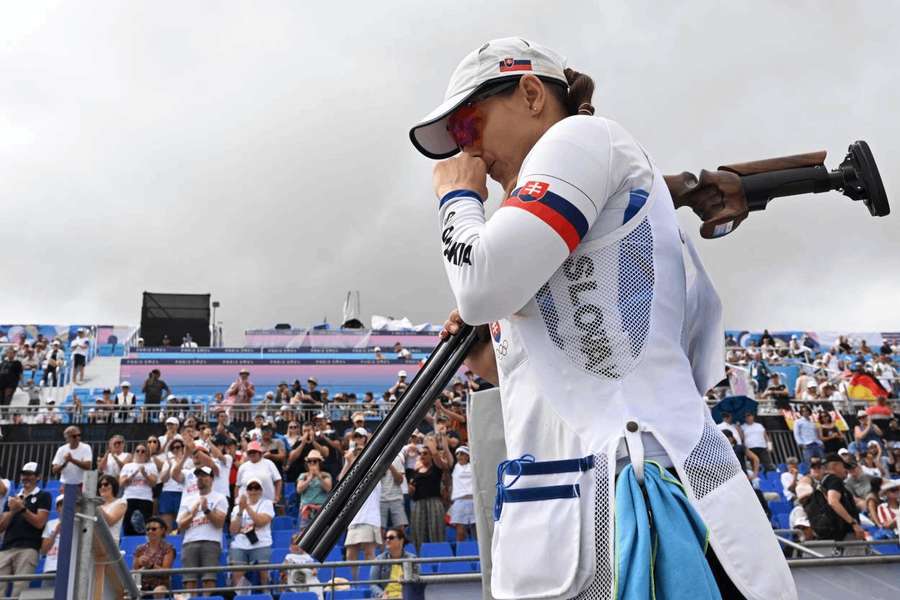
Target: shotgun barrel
[{"x": 388, "y": 439}]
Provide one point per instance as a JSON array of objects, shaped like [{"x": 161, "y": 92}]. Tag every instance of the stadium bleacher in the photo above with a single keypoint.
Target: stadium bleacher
[{"x": 297, "y": 363}]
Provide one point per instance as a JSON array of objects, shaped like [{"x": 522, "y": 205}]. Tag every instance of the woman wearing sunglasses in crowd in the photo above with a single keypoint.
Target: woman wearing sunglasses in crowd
[
  {"x": 157, "y": 553},
  {"x": 172, "y": 488},
  {"x": 394, "y": 542},
  {"x": 603, "y": 324},
  {"x": 137, "y": 479}
]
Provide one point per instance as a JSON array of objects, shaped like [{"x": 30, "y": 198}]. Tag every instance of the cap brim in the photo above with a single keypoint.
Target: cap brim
[{"x": 430, "y": 135}]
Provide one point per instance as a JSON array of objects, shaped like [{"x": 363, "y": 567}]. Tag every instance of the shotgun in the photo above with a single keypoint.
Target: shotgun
[
  {"x": 360, "y": 480},
  {"x": 724, "y": 198}
]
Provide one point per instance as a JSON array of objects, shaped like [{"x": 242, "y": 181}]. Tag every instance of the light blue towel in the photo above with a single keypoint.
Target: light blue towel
[{"x": 664, "y": 561}]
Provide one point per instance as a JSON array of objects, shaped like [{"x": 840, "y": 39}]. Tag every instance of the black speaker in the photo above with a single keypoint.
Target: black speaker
[{"x": 175, "y": 316}]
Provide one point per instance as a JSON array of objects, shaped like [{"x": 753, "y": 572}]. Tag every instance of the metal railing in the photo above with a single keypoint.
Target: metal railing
[{"x": 98, "y": 412}]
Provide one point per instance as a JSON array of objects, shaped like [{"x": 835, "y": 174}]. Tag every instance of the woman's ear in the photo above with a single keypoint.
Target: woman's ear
[{"x": 534, "y": 93}]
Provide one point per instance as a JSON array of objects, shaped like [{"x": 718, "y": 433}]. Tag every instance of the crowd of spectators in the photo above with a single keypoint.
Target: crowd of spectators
[
  {"x": 825, "y": 374},
  {"x": 200, "y": 480}
]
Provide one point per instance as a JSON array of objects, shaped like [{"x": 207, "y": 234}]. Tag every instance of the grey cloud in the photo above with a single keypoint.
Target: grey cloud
[{"x": 259, "y": 151}]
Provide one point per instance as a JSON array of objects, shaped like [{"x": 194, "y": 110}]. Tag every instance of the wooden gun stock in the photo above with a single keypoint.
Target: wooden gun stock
[{"x": 810, "y": 159}]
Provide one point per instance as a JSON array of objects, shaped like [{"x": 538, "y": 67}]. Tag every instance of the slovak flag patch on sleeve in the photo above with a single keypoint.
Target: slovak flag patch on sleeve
[{"x": 561, "y": 215}]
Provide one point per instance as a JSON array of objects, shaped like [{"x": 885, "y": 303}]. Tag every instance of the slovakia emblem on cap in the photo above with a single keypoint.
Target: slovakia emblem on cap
[
  {"x": 533, "y": 190},
  {"x": 495, "y": 331},
  {"x": 511, "y": 64}
]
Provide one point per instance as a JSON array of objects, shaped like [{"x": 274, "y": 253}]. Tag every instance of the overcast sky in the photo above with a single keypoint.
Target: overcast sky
[{"x": 258, "y": 150}]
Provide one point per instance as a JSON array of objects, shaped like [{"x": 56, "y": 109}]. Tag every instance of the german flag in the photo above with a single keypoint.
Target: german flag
[{"x": 865, "y": 387}]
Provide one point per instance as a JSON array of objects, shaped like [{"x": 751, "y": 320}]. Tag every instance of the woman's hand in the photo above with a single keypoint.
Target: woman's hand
[
  {"x": 462, "y": 172},
  {"x": 481, "y": 359}
]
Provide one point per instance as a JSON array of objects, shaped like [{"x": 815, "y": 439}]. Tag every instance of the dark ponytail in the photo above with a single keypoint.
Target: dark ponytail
[{"x": 581, "y": 88}]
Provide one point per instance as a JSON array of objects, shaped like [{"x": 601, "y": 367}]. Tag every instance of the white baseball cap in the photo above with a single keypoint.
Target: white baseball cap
[
  {"x": 401, "y": 373},
  {"x": 494, "y": 61},
  {"x": 125, "y": 384}
]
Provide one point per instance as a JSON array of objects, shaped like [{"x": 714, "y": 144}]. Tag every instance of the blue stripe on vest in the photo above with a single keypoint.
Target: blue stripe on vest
[
  {"x": 636, "y": 201},
  {"x": 552, "y": 467},
  {"x": 537, "y": 494}
]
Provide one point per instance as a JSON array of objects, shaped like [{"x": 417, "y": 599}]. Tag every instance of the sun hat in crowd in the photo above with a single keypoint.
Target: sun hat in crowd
[
  {"x": 203, "y": 470},
  {"x": 862, "y": 413},
  {"x": 29, "y": 467},
  {"x": 312, "y": 380},
  {"x": 499, "y": 59},
  {"x": 172, "y": 420},
  {"x": 315, "y": 454},
  {"x": 244, "y": 370},
  {"x": 125, "y": 384},
  {"x": 803, "y": 490},
  {"x": 401, "y": 373},
  {"x": 171, "y": 397},
  {"x": 463, "y": 450},
  {"x": 888, "y": 485},
  {"x": 254, "y": 447},
  {"x": 255, "y": 480},
  {"x": 361, "y": 431},
  {"x": 843, "y": 452}
]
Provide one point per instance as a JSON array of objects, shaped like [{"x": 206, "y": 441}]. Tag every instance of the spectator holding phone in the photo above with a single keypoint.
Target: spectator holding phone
[{"x": 251, "y": 528}]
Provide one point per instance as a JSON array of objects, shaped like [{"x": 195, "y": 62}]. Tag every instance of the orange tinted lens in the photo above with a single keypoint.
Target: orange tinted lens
[{"x": 464, "y": 126}]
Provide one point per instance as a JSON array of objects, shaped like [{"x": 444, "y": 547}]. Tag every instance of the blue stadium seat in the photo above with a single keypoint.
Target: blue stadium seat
[
  {"x": 781, "y": 520},
  {"x": 129, "y": 543},
  {"x": 888, "y": 549},
  {"x": 345, "y": 595},
  {"x": 432, "y": 550},
  {"x": 281, "y": 537},
  {"x": 337, "y": 553},
  {"x": 468, "y": 548},
  {"x": 282, "y": 523},
  {"x": 780, "y": 507},
  {"x": 252, "y": 597},
  {"x": 455, "y": 567},
  {"x": 298, "y": 596}
]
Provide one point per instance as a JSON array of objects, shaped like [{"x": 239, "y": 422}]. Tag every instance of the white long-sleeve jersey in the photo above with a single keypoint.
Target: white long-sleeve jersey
[
  {"x": 585, "y": 177},
  {"x": 603, "y": 321}
]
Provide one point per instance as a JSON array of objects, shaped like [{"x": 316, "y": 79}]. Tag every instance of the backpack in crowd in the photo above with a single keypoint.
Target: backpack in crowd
[{"x": 824, "y": 521}]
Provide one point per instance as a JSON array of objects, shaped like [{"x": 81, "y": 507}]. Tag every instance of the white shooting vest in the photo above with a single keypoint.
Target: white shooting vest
[{"x": 627, "y": 330}]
